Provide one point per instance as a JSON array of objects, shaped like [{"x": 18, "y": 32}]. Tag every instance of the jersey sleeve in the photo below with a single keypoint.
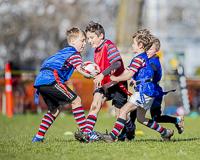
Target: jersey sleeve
[
  {"x": 74, "y": 60},
  {"x": 113, "y": 54},
  {"x": 136, "y": 64}
]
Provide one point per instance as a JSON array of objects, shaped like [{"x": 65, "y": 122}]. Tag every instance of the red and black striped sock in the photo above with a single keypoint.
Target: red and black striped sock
[
  {"x": 47, "y": 121},
  {"x": 91, "y": 121},
  {"x": 119, "y": 124},
  {"x": 154, "y": 125},
  {"x": 79, "y": 116}
]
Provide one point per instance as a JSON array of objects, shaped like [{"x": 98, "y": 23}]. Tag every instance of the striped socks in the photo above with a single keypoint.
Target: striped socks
[
  {"x": 79, "y": 116},
  {"x": 154, "y": 125},
  {"x": 119, "y": 124},
  {"x": 91, "y": 121},
  {"x": 129, "y": 125},
  {"x": 47, "y": 121}
]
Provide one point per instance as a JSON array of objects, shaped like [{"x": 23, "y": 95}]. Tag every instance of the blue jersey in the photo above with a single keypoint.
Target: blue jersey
[
  {"x": 144, "y": 78},
  {"x": 56, "y": 62}
]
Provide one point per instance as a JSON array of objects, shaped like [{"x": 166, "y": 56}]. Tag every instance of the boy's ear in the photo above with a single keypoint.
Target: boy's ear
[
  {"x": 101, "y": 36},
  {"x": 72, "y": 41},
  {"x": 140, "y": 45},
  {"x": 157, "y": 51}
]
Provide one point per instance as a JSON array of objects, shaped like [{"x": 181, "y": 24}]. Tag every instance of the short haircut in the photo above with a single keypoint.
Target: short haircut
[
  {"x": 74, "y": 33},
  {"x": 96, "y": 28},
  {"x": 156, "y": 42},
  {"x": 143, "y": 36}
]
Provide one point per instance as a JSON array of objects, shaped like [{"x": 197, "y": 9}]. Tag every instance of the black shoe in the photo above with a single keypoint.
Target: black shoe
[
  {"x": 121, "y": 137},
  {"x": 82, "y": 137},
  {"x": 130, "y": 136},
  {"x": 106, "y": 137},
  {"x": 180, "y": 124},
  {"x": 168, "y": 135}
]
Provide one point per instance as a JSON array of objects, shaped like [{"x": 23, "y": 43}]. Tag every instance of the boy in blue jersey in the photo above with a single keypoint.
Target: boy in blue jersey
[
  {"x": 155, "y": 110},
  {"x": 142, "y": 72},
  {"x": 50, "y": 82}
]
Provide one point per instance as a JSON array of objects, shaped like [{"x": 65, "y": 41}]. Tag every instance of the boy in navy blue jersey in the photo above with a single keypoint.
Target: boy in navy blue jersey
[
  {"x": 142, "y": 72},
  {"x": 50, "y": 82},
  {"x": 156, "y": 106}
]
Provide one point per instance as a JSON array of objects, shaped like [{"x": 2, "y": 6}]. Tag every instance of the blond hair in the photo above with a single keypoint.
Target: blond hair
[
  {"x": 73, "y": 33},
  {"x": 143, "y": 36}
]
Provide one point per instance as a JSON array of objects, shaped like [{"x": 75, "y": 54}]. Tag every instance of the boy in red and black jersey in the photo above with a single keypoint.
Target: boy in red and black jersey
[{"x": 108, "y": 58}]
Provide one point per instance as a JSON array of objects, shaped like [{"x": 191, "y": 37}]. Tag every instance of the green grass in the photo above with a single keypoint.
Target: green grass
[{"x": 17, "y": 132}]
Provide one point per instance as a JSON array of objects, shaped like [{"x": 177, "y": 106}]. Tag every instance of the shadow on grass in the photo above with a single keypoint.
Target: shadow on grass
[
  {"x": 188, "y": 139},
  {"x": 173, "y": 140},
  {"x": 141, "y": 140}
]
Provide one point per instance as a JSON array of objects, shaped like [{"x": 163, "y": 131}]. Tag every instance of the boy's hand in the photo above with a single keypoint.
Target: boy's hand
[
  {"x": 98, "y": 79},
  {"x": 112, "y": 77},
  {"x": 133, "y": 83}
]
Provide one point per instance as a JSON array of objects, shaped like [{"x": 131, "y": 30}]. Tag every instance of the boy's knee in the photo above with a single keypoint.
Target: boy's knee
[
  {"x": 95, "y": 107},
  {"x": 77, "y": 101},
  {"x": 55, "y": 112}
]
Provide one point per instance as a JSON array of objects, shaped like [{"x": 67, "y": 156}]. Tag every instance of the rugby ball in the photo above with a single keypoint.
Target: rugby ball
[{"x": 89, "y": 69}]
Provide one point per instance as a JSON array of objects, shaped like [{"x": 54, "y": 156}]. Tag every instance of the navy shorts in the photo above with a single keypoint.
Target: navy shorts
[
  {"x": 54, "y": 95},
  {"x": 118, "y": 97}
]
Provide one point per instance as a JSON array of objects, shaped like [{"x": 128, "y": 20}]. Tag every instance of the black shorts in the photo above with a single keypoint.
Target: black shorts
[
  {"x": 156, "y": 112},
  {"x": 156, "y": 108},
  {"x": 118, "y": 97},
  {"x": 54, "y": 95}
]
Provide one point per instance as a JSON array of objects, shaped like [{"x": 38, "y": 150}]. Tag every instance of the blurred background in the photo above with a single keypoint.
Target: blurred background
[{"x": 31, "y": 31}]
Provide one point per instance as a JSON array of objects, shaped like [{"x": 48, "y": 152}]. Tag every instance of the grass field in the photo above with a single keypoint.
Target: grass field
[{"x": 17, "y": 132}]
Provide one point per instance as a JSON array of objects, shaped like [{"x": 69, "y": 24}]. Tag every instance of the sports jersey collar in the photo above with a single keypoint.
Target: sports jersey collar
[
  {"x": 102, "y": 44},
  {"x": 155, "y": 56}
]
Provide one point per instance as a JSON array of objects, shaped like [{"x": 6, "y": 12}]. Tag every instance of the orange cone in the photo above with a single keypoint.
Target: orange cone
[{"x": 8, "y": 90}]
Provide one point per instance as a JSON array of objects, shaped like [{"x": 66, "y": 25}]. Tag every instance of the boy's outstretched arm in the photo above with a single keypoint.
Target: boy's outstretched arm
[
  {"x": 107, "y": 71},
  {"x": 128, "y": 74},
  {"x": 78, "y": 68}
]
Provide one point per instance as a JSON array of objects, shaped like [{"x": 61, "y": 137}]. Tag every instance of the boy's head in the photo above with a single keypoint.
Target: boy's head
[
  {"x": 95, "y": 34},
  {"x": 76, "y": 38},
  {"x": 154, "y": 48},
  {"x": 142, "y": 41},
  {"x": 156, "y": 42}
]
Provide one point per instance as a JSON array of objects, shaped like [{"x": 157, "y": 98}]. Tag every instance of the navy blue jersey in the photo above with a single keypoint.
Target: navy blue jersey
[{"x": 155, "y": 62}]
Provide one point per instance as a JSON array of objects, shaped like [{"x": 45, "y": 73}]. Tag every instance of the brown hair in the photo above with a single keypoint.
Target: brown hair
[
  {"x": 96, "y": 28},
  {"x": 143, "y": 36},
  {"x": 74, "y": 33},
  {"x": 156, "y": 41}
]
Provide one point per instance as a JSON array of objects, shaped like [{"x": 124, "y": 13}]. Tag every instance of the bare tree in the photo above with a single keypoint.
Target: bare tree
[{"x": 31, "y": 31}]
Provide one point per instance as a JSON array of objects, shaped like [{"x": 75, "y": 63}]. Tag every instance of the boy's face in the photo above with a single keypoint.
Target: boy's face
[
  {"x": 79, "y": 43},
  {"x": 94, "y": 40},
  {"x": 135, "y": 46},
  {"x": 152, "y": 51}
]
